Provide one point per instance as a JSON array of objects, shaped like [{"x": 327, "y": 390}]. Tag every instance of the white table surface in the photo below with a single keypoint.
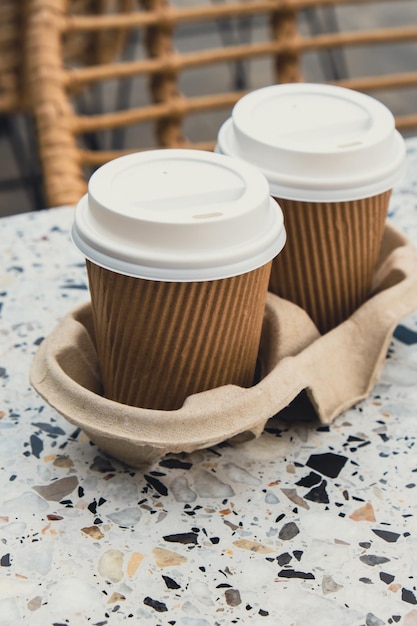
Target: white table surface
[{"x": 305, "y": 525}]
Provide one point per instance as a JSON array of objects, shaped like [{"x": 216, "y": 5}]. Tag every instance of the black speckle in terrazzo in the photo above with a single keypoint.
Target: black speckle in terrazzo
[
  {"x": 3, "y": 372},
  {"x": 357, "y": 440},
  {"x": 92, "y": 507},
  {"x": 386, "y": 578},
  {"x": 171, "y": 583},
  {"x": 5, "y": 560},
  {"x": 384, "y": 437},
  {"x": 52, "y": 431},
  {"x": 408, "y": 596},
  {"x": 365, "y": 443},
  {"x": 185, "y": 538},
  {"x": 73, "y": 436},
  {"x": 329, "y": 464},
  {"x": 160, "y": 607},
  {"x": 405, "y": 335},
  {"x": 309, "y": 481},
  {"x": 318, "y": 494},
  {"x": 157, "y": 484},
  {"x": 353, "y": 438},
  {"x": 36, "y": 445},
  {"x": 386, "y": 535},
  {"x": 292, "y": 573},
  {"x": 67, "y": 503},
  {"x": 284, "y": 558}
]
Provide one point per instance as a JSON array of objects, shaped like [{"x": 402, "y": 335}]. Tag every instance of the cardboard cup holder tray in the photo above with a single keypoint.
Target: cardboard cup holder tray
[{"x": 336, "y": 370}]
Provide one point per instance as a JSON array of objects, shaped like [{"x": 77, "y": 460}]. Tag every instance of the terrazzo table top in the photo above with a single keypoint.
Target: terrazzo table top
[{"x": 305, "y": 525}]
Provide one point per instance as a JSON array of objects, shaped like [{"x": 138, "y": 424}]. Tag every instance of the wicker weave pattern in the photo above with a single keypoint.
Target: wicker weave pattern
[
  {"x": 12, "y": 97},
  {"x": 85, "y": 48},
  {"x": 52, "y": 78},
  {"x": 96, "y": 47}
]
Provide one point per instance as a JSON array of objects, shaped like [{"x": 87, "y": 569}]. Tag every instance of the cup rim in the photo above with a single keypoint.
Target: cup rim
[
  {"x": 314, "y": 173},
  {"x": 141, "y": 243}
]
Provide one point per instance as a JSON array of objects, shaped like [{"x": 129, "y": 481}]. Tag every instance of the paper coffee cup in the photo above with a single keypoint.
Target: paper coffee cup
[
  {"x": 179, "y": 245},
  {"x": 331, "y": 157}
]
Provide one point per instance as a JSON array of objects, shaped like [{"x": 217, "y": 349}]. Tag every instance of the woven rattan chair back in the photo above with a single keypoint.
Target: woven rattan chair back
[
  {"x": 296, "y": 39},
  {"x": 11, "y": 58},
  {"x": 84, "y": 49},
  {"x": 16, "y": 127}
]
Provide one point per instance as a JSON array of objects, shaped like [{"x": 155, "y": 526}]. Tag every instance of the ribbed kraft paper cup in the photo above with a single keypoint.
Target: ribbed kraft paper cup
[
  {"x": 179, "y": 246},
  {"x": 159, "y": 342},
  {"x": 331, "y": 156},
  {"x": 329, "y": 260}
]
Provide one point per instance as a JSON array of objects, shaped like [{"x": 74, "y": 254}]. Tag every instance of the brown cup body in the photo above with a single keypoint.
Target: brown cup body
[
  {"x": 159, "y": 342},
  {"x": 328, "y": 262}
]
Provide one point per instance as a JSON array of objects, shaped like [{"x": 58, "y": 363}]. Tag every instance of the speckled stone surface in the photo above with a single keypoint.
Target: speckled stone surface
[{"x": 307, "y": 524}]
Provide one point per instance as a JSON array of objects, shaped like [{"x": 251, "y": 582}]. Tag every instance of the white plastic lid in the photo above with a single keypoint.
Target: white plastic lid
[
  {"x": 316, "y": 142},
  {"x": 178, "y": 215}
]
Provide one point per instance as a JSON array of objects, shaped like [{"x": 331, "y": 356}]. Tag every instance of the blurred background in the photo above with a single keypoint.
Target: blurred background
[{"x": 20, "y": 174}]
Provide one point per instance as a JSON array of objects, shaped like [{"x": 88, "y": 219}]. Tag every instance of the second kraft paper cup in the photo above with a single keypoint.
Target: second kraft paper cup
[
  {"x": 331, "y": 156},
  {"x": 179, "y": 245}
]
